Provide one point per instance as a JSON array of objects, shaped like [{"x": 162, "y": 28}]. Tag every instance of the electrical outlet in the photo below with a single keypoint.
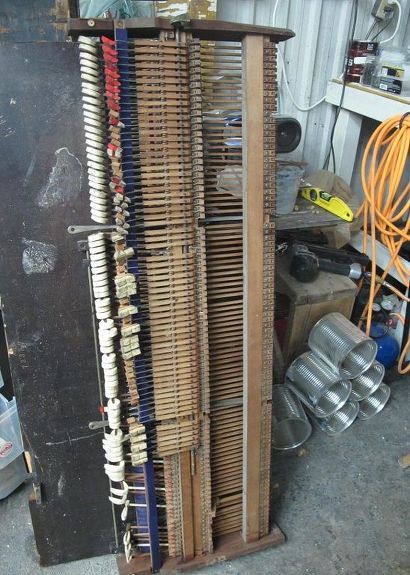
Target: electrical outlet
[{"x": 379, "y": 9}]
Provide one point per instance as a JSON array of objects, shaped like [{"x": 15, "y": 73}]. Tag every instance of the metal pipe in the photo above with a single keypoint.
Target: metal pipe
[
  {"x": 367, "y": 382},
  {"x": 375, "y": 402},
  {"x": 322, "y": 390},
  {"x": 290, "y": 426},
  {"x": 339, "y": 421},
  {"x": 342, "y": 345}
]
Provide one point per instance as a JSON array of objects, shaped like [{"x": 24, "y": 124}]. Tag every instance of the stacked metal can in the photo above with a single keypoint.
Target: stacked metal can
[{"x": 338, "y": 380}]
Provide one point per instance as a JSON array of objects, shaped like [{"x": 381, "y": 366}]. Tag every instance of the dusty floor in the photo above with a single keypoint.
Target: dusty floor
[{"x": 343, "y": 503}]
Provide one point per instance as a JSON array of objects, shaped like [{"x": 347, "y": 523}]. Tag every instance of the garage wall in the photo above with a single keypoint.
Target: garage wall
[{"x": 313, "y": 57}]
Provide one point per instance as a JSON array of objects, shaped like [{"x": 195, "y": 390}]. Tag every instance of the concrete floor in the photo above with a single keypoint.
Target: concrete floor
[{"x": 343, "y": 503}]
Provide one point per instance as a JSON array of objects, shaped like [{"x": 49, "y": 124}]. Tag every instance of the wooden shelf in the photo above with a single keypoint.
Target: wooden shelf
[
  {"x": 358, "y": 102},
  {"x": 366, "y": 101}
]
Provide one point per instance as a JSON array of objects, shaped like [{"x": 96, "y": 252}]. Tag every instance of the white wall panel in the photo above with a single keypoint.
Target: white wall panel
[{"x": 313, "y": 57}]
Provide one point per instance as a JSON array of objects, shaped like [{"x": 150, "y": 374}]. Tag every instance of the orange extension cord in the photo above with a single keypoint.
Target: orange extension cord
[{"x": 386, "y": 204}]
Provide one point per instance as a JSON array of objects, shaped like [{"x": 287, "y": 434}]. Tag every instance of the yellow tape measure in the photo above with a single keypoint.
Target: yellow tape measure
[{"x": 327, "y": 202}]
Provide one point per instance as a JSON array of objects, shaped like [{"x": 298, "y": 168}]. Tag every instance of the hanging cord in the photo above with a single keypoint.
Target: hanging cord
[
  {"x": 387, "y": 206},
  {"x": 387, "y": 24},
  {"x": 331, "y": 152},
  {"x": 389, "y": 16},
  {"x": 285, "y": 77},
  {"x": 370, "y": 30},
  {"x": 297, "y": 106},
  {"x": 397, "y": 3}
]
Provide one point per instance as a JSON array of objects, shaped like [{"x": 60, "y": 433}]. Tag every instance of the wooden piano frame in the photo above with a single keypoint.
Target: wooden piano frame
[{"x": 257, "y": 225}]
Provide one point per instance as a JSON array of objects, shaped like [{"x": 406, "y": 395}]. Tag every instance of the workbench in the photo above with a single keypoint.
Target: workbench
[
  {"x": 308, "y": 302},
  {"x": 306, "y": 215},
  {"x": 358, "y": 102}
]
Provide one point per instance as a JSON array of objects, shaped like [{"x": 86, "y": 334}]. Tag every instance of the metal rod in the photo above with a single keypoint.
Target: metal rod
[{"x": 99, "y": 379}]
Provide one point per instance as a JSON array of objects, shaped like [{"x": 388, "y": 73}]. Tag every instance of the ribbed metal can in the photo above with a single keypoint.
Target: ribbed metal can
[
  {"x": 375, "y": 402},
  {"x": 367, "y": 382},
  {"x": 290, "y": 426},
  {"x": 322, "y": 390},
  {"x": 339, "y": 421},
  {"x": 342, "y": 345}
]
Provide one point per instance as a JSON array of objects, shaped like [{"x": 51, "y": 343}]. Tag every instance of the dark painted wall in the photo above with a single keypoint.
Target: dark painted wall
[
  {"x": 45, "y": 294},
  {"x": 32, "y": 20},
  {"x": 27, "y": 21},
  {"x": 43, "y": 283}
]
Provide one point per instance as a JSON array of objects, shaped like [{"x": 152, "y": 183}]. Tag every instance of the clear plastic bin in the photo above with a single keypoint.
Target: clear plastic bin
[
  {"x": 12, "y": 476},
  {"x": 288, "y": 177},
  {"x": 11, "y": 445}
]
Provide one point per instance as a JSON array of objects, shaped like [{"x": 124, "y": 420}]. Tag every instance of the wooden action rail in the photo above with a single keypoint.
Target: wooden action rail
[{"x": 179, "y": 126}]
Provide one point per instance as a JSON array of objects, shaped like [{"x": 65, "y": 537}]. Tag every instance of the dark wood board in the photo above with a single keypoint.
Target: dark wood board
[
  {"x": 202, "y": 29},
  {"x": 33, "y": 20},
  {"x": 45, "y": 296},
  {"x": 140, "y": 27},
  {"x": 234, "y": 31}
]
